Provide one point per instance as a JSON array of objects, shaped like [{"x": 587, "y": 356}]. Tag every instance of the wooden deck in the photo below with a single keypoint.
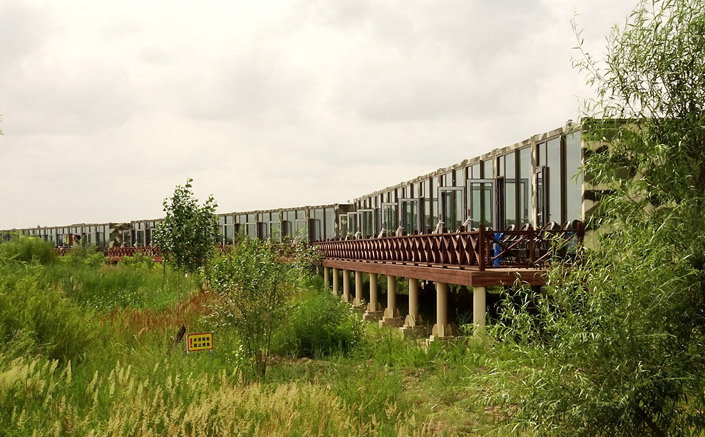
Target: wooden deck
[{"x": 470, "y": 276}]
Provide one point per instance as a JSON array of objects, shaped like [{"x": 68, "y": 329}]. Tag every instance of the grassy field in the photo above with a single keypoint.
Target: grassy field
[{"x": 88, "y": 349}]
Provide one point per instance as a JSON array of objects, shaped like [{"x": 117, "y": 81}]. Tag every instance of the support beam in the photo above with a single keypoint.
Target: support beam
[
  {"x": 358, "y": 290},
  {"x": 479, "y": 301},
  {"x": 374, "y": 309},
  {"x": 336, "y": 277},
  {"x": 413, "y": 325},
  {"x": 441, "y": 329},
  {"x": 391, "y": 313},
  {"x": 325, "y": 278},
  {"x": 346, "y": 286}
]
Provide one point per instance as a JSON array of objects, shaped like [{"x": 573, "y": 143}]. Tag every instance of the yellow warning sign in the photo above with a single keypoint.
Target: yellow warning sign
[{"x": 200, "y": 342}]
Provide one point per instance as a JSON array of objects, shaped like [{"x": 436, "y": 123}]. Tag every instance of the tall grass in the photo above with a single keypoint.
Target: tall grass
[
  {"x": 37, "y": 397},
  {"x": 35, "y": 319},
  {"x": 27, "y": 249}
]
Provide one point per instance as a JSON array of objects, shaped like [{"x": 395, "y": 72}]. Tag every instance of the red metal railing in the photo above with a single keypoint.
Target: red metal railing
[{"x": 482, "y": 248}]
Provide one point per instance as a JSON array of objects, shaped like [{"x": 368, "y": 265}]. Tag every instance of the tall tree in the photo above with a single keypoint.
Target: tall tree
[
  {"x": 187, "y": 235},
  {"x": 618, "y": 344}
]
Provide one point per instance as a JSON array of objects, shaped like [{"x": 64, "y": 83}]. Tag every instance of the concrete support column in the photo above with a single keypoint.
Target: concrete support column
[
  {"x": 391, "y": 313},
  {"x": 413, "y": 324},
  {"x": 358, "y": 289},
  {"x": 336, "y": 277},
  {"x": 374, "y": 309},
  {"x": 346, "y": 286},
  {"x": 479, "y": 299},
  {"x": 325, "y": 277},
  {"x": 441, "y": 329}
]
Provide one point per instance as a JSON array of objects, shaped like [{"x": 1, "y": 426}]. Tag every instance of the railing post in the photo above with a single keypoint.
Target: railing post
[{"x": 481, "y": 245}]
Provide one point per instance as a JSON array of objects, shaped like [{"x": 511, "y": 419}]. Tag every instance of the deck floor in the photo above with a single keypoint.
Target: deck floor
[{"x": 449, "y": 274}]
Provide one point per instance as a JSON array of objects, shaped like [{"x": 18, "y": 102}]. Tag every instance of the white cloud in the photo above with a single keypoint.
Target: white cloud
[{"x": 107, "y": 106}]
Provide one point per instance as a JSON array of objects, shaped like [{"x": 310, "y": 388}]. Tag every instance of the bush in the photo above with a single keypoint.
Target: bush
[
  {"x": 86, "y": 255},
  {"x": 319, "y": 324},
  {"x": 42, "y": 320},
  {"x": 28, "y": 249},
  {"x": 253, "y": 286},
  {"x": 139, "y": 260}
]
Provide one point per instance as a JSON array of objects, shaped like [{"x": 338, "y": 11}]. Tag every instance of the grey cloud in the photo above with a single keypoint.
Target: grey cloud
[
  {"x": 22, "y": 31},
  {"x": 251, "y": 86},
  {"x": 155, "y": 56},
  {"x": 51, "y": 100}
]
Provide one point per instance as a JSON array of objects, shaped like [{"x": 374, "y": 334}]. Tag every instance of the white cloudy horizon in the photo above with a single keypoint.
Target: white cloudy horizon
[{"x": 106, "y": 106}]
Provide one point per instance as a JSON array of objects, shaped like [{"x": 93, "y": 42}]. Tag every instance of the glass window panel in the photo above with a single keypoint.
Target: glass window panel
[
  {"x": 475, "y": 171},
  {"x": 481, "y": 204},
  {"x": 330, "y": 223},
  {"x": 510, "y": 191},
  {"x": 487, "y": 171},
  {"x": 367, "y": 223},
  {"x": 275, "y": 230},
  {"x": 300, "y": 229},
  {"x": 343, "y": 225},
  {"x": 410, "y": 215},
  {"x": 574, "y": 208},
  {"x": 555, "y": 179},
  {"x": 540, "y": 187},
  {"x": 453, "y": 212},
  {"x": 390, "y": 217},
  {"x": 229, "y": 234},
  {"x": 352, "y": 223},
  {"x": 500, "y": 166},
  {"x": 524, "y": 185},
  {"x": 460, "y": 177}
]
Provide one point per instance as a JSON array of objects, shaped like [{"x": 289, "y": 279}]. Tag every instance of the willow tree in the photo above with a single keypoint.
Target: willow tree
[{"x": 618, "y": 344}]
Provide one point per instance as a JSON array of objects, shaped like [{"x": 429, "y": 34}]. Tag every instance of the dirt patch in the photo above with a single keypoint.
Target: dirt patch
[{"x": 185, "y": 312}]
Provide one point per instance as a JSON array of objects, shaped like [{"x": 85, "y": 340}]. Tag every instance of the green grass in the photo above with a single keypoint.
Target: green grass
[{"x": 89, "y": 349}]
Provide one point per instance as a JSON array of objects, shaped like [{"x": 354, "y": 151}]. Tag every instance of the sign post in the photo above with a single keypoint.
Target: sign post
[{"x": 200, "y": 342}]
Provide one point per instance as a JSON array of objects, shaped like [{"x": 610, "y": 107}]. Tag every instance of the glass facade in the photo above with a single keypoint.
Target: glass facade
[{"x": 537, "y": 182}]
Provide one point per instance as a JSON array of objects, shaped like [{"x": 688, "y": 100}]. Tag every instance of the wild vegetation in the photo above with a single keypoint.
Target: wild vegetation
[
  {"x": 616, "y": 345},
  {"x": 88, "y": 349}
]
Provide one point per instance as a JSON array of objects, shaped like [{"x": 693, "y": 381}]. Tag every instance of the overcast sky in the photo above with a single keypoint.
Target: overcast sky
[{"x": 106, "y": 106}]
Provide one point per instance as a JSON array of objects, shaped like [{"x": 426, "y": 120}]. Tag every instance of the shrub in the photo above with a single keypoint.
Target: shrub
[
  {"x": 253, "y": 286},
  {"x": 319, "y": 324},
  {"x": 86, "y": 255},
  {"x": 28, "y": 249},
  {"x": 39, "y": 317}
]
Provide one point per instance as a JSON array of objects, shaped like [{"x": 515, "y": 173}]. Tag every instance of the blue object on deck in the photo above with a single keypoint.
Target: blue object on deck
[{"x": 497, "y": 249}]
